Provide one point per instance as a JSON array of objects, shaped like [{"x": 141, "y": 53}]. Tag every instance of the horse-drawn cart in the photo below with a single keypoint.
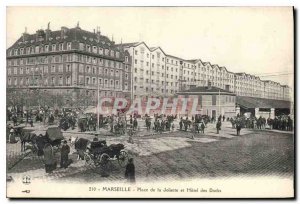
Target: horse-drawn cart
[
  {"x": 98, "y": 155},
  {"x": 39, "y": 138}
]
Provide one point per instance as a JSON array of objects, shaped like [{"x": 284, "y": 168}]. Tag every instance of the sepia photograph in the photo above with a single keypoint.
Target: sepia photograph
[{"x": 150, "y": 102}]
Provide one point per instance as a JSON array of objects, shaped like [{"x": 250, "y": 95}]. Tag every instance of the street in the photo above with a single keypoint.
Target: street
[{"x": 175, "y": 155}]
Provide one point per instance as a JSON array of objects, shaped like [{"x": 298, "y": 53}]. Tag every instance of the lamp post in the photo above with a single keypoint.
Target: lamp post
[{"x": 98, "y": 89}]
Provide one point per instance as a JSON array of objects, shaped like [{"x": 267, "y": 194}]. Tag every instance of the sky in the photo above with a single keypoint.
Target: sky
[{"x": 255, "y": 40}]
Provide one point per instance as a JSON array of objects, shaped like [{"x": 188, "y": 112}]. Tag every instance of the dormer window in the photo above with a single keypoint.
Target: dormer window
[
  {"x": 46, "y": 48},
  {"x": 61, "y": 46},
  {"x": 88, "y": 48},
  {"x": 69, "y": 46},
  {"x": 53, "y": 47},
  {"x": 100, "y": 51},
  {"x": 94, "y": 49}
]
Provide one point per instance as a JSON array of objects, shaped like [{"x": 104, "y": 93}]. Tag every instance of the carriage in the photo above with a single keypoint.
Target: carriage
[
  {"x": 98, "y": 155},
  {"x": 39, "y": 138}
]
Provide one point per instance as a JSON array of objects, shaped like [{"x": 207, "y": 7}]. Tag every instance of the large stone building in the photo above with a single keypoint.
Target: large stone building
[
  {"x": 160, "y": 74},
  {"x": 69, "y": 62}
]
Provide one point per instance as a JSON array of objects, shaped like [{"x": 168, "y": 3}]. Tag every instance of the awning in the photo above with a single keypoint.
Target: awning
[{"x": 252, "y": 102}]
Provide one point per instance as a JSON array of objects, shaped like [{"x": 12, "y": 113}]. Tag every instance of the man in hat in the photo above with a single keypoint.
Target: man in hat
[
  {"x": 64, "y": 156},
  {"x": 130, "y": 171},
  {"x": 12, "y": 136}
]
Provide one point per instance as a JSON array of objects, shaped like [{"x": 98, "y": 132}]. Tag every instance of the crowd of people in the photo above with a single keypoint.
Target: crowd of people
[{"x": 282, "y": 122}]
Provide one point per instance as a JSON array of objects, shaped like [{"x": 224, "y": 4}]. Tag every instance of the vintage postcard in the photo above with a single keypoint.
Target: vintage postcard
[{"x": 150, "y": 102}]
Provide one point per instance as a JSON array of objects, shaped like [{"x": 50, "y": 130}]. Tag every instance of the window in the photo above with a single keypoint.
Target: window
[
  {"x": 88, "y": 48},
  {"x": 100, "y": 81},
  {"x": 100, "y": 51},
  {"x": 46, "y": 48},
  {"x": 21, "y": 51},
  {"x": 9, "y": 81},
  {"x": 117, "y": 73},
  {"x": 68, "y": 80},
  {"x": 117, "y": 84},
  {"x": 68, "y": 68},
  {"x": 53, "y": 68},
  {"x": 214, "y": 100},
  {"x": 61, "y": 46},
  {"x": 53, "y": 48},
  {"x": 15, "y": 70},
  {"x": 69, "y": 45},
  {"x": 126, "y": 76},
  {"x": 126, "y": 58},
  {"x": 9, "y": 71},
  {"x": 94, "y": 49},
  {"x": 45, "y": 69},
  {"x": 135, "y": 52},
  {"x": 87, "y": 80},
  {"x": 21, "y": 70},
  {"x": 111, "y": 72}
]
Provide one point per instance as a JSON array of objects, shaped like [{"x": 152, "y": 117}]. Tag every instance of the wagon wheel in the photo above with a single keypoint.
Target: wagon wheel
[
  {"x": 103, "y": 165},
  {"x": 88, "y": 160},
  {"x": 123, "y": 158}
]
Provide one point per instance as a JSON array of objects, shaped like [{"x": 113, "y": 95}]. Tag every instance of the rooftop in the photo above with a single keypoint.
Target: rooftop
[{"x": 206, "y": 89}]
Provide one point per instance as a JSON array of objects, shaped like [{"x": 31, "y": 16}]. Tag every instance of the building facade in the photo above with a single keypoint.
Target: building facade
[
  {"x": 159, "y": 74},
  {"x": 70, "y": 62}
]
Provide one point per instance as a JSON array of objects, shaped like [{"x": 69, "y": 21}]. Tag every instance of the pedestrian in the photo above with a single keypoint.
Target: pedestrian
[
  {"x": 135, "y": 124},
  {"x": 130, "y": 171},
  {"x": 173, "y": 127},
  {"x": 12, "y": 136},
  {"x": 64, "y": 155},
  {"x": 238, "y": 128},
  {"x": 202, "y": 127},
  {"x": 49, "y": 160},
  {"x": 180, "y": 124},
  {"x": 218, "y": 126}
]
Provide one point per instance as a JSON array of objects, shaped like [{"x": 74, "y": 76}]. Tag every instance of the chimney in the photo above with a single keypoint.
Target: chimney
[
  {"x": 98, "y": 33},
  {"x": 25, "y": 35},
  {"x": 63, "y": 32},
  {"x": 48, "y": 32}
]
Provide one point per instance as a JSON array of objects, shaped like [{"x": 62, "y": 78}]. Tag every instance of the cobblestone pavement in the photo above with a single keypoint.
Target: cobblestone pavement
[{"x": 176, "y": 155}]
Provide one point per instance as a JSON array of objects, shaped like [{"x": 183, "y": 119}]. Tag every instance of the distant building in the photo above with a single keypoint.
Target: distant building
[
  {"x": 212, "y": 101},
  {"x": 159, "y": 74},
  {"x": 69, "y": 62}
]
